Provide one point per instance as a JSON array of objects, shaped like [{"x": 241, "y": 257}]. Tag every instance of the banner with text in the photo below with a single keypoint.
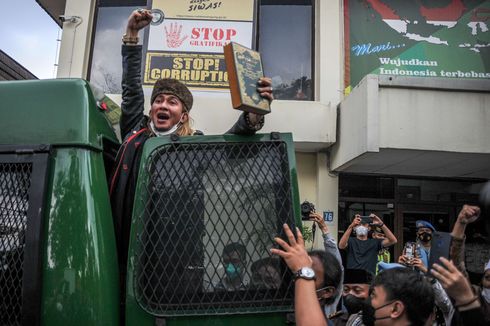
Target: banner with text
[
  {"x": 188, "y": 44},
  {"x": 440, "y": 38}
]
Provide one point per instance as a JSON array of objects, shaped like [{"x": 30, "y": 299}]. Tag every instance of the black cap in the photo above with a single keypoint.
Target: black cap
[{"x": 357, "y": 276}]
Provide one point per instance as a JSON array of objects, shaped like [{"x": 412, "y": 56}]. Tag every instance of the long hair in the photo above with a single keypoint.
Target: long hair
[{"x": 185, "y": 129}]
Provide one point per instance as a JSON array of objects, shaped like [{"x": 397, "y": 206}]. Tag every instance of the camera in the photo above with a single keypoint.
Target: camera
[
  {"x": 306, "y": 209},
  {"x": 70, "y": 19}
]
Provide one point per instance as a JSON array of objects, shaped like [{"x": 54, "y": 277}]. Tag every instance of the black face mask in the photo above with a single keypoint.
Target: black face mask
[
  {"x": 354, "y": 304},
  {"x": 425, "y": 237},
  {"x": 368, "y": 313}
]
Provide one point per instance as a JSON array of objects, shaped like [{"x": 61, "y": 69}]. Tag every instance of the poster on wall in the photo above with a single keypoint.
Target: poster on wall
[
  {"x": 188, "y": 44},
  {"x": 420, "y": 38}
]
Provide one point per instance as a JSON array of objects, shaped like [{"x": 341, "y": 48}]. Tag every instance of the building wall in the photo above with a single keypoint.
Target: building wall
[
  {"x": 381, "y": 125},
  {"x": 431, "y": 119},
  {"x": 76, "y": 39},
  {"x": 319, "y": 186},
  {"x": 12, "y": 70},
  {"x": 212, "y": 110},
  {"x": 371, "y": 117}
]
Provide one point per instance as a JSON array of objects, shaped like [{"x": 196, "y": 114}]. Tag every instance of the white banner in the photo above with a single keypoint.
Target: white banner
[{"x": 198, "y": 35}]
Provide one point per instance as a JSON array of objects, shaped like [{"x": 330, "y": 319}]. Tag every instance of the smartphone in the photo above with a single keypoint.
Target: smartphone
[
  {"x": 366, "y": 220},
  {"x": 440, "y": 247},
  {"x": 410, "y": 251}
]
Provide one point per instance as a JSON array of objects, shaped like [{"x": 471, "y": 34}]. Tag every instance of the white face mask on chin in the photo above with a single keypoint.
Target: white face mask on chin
[
  {"x": 486, "y": 294},
  {"x": 168, "y": 132},
  {"x": 361, "y": 230}
]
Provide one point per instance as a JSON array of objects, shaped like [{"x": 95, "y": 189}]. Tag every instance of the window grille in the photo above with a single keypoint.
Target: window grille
[
  {"x": 210, "y": 209},
  {"x": 15, "y": 180}
]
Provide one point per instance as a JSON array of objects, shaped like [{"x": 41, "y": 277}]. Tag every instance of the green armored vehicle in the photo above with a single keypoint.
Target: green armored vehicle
[{"x": 196, "y": 198}]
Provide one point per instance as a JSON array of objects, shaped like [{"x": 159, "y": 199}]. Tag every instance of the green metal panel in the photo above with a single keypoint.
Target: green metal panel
[
  {"x": 135, "y": 314},
  {"x": 56, "y": 112},
  {"x": 80, "y": 270}
]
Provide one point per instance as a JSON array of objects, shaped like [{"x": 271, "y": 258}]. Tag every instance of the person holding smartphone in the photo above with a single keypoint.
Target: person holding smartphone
[{"x": 362, "y": 251}]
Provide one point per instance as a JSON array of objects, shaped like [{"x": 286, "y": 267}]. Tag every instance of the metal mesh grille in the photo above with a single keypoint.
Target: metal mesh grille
[
  {"x": 210, "y": 215},
  {"x": 14, "y": 186}
]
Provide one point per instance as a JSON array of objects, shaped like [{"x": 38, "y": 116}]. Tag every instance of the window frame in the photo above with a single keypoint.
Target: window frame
[{"x": 312, "y": 37}]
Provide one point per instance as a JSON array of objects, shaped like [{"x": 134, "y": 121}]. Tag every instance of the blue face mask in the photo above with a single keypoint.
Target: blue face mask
[{"x": 232, "y": 271}]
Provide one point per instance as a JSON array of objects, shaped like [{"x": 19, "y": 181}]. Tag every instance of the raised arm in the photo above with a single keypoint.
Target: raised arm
[
  {"x": 132, "y": 105},
  {"x": 343, "y": 242},
  {"x": 468, "y": 214},
  {"x": 306, "y": 306},
  {"x": 250, "y": 123},
  {"x": 390, "y": 237},
  {"x": 328, "y": 241}
]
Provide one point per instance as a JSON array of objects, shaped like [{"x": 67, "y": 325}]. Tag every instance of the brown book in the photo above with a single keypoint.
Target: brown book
[{"x": 244, "y": 67}]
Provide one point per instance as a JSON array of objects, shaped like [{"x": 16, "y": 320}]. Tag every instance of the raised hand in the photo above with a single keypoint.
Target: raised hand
[
  {"x": 417, "y": 262},
  {"x": 319, "y": 220},
  {"x": 173, "y": 36},
  {"x": 376, "y": 219},
  {"x": 453, "y": 281},
  {"x": 137, "y": 20},
  {"x": 294, "y": 253},
  {"x": 468, "y": 214},
  {"x": 264, "y": 87},
  {"x": 356, "y": 221}
]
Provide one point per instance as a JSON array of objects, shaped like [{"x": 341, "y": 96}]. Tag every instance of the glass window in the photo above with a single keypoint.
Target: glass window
[
  {"x": 438, "y": 190},
  {"x": 106, "y": 67},
  {"x": 285, "y": 43},
  {"x": 366, "y": 186}
]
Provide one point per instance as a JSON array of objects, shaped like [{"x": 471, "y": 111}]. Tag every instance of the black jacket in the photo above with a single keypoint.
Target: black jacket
[{"x": 134, "y": 132}]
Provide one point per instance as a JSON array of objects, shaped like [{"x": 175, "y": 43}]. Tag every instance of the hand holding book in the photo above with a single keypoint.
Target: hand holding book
[{"x": 250, "y": 90}]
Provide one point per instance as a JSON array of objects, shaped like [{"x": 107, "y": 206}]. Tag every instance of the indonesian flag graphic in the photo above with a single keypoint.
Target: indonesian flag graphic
[{"x": 444, "y": 16}]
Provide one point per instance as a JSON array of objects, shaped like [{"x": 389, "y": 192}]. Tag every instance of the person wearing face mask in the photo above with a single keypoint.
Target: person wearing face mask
[
  {"x": 485, "y": 292},
  {"x": 328, "y": 273},
  {"x": 362, "y": 251},
  {"x": 171, "y": 104},
  {"x": 234, "y": 259},
  {"x": 355, "y": 295},
  {"x": 424, "y": 237},
  {"x": 399, "y": 296}
]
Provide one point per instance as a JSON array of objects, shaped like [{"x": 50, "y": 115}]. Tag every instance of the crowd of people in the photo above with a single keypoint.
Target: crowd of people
[{"x": 370, "y": 291}]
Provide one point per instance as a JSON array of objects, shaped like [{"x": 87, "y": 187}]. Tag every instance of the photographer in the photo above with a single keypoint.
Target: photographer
[
  {"x": 331, "y": 247},
  {"x": 309, "y": 214},
  {"x": 363, "y": 251}
]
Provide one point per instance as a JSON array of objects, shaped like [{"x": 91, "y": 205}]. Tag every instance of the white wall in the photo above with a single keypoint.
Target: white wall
[
  {"x": 453, "y": 121},
  {"x": 433, "y": 118},
  {"x": 313, "y": 124},
  {"x": 318, "y": 186},
  {"x": 76, "y": 39}
]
